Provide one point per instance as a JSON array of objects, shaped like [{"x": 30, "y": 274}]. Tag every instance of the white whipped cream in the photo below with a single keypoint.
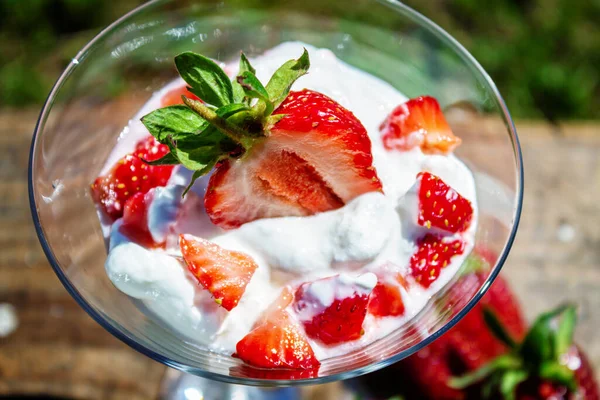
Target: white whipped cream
[{"x": 362, "y": 237}]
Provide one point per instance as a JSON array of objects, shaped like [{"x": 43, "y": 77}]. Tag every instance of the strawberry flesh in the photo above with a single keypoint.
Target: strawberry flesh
[
  {"x": 315, "y": 159},
  {"x": 341, "y": 318},
  {"x": 418, "y": 122},
  {"x": 442, "y": 207},
  {"x": 433, "y": 254},
  {"x": 277, "y": 341},
  {"x": 131, "y": 175},
  {"x": 224, "y": 273}
]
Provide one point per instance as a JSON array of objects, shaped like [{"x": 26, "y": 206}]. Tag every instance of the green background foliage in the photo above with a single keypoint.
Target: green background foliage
[{"x": 544, "y": 55}]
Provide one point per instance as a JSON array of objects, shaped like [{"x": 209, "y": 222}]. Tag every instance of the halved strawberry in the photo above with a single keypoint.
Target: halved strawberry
[
  {"x": 317, "y": 158},
  {"x": 433, "y": 254},
  {"x": 277, "y": 341},
  {"x": 386, "y": 297},
  {"x": 130, "y": 175},
  {"x": 135, "y": 219},
  {"x": 224, "y": 273},
  {"x": 418, "y": 122},
  {"x": 333, "y": 309},
  {"x": 442, "y": 207},
  {"x": 173, "y": 96}
]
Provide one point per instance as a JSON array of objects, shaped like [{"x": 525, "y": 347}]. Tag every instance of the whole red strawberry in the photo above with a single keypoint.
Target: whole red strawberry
[
  {"x": 469, "y": 344},
  {"x": 545, "y": 365},
  {"x": 274, "y": 152},
  {"x": 131, "y": 175}
]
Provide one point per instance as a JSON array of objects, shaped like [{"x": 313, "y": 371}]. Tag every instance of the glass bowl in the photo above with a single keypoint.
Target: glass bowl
[{"x": 116, "y": 73}]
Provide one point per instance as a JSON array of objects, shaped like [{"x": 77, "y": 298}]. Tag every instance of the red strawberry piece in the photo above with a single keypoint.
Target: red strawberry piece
[
  {"x": 442, "y": 207},
  {"x": 130, "y": 175},
  {"x": 135, "y": 219},
  {"x": 224, "y": 273},
  {"x": 277, "y": 341},
  {"x": 333, "y": 309},
  {"x": 173, "y": 96},
  {"x": 418, "y": 122},
  {"x": 433, "y": 254},
  {"x": 315, "y": 159},
  {"x": 386, "y": 297}
]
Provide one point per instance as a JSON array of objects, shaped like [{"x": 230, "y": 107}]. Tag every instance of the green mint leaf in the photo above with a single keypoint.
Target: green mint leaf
[
  {"x": 496, "y": 327},
  {"x": 167, "y": 159},
  {"x": 173, "y": 123},
  {"x": 206, "y": 79},
  {"x": 566, "y": 328},
  {"x": 280, "y": 83}
]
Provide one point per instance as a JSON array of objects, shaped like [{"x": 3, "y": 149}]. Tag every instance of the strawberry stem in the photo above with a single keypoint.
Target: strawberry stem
[{"x": 233, "y": 132}]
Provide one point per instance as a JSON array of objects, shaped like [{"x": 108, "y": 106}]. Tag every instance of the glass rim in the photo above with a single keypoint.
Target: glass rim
[{"x": 422, "y": 22}]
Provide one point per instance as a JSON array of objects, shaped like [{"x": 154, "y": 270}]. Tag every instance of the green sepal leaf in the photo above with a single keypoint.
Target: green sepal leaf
[
  {"x": 497, "y": 329},
  {"x": 282, "y": 80},
  {"x": 238, "y": 93},
  {"x": 509, "y": 382},
  {"x": 245, "y": 65},
  {"x": 271, "y": 120},
  {"x": 538, "y": 345},
  {"x": 252, "y": 86},
  {"x": 253, "y": 89},
  {"x": 555, "y": 372},
  {"x": 501, "y": 363},
  {"x": 167, "y": 159},
  {"x": 196, "y": 175},
  {"x": 206, "y": 79},
  {"x": 565, "y": 331}
]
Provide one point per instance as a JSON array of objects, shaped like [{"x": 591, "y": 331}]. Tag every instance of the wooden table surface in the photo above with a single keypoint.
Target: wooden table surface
[{"x": 58, "y": 349}]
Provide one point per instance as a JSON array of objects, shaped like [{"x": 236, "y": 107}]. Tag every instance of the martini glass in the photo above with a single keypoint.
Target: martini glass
[{"x": 117, "y": 72}]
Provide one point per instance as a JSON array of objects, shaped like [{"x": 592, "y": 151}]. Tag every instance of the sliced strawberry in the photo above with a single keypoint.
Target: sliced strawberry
[
  {"x": 333, "y": 309},
  {"x": 277, "y": 341},
  {"x": 135, "y": 219},
  {"x": 433, "y": 254},
  {"x": 130, "y": 175},
  {"x": 224, "y": 273},
  {"x": 418, "y": 122},
  {"x": 173, "y": 96},
  {"x": 442, "y": 207},
  {"x": 386, "y": 300},
  {"x": 315, "y": 159}
]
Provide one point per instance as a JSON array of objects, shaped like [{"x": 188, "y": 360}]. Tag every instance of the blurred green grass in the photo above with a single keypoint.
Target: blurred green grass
[{"x": 544, "y": 55}]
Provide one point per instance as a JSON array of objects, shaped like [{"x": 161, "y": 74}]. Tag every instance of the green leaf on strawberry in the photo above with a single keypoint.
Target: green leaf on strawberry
[
  {"x": 206, "y": 79},
  {"x": 230, "y": 117},
  {"x": 538, "y": 356}
]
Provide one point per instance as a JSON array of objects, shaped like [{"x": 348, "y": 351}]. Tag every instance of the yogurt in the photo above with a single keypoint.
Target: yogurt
[{"x": 369, "y": 232}]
